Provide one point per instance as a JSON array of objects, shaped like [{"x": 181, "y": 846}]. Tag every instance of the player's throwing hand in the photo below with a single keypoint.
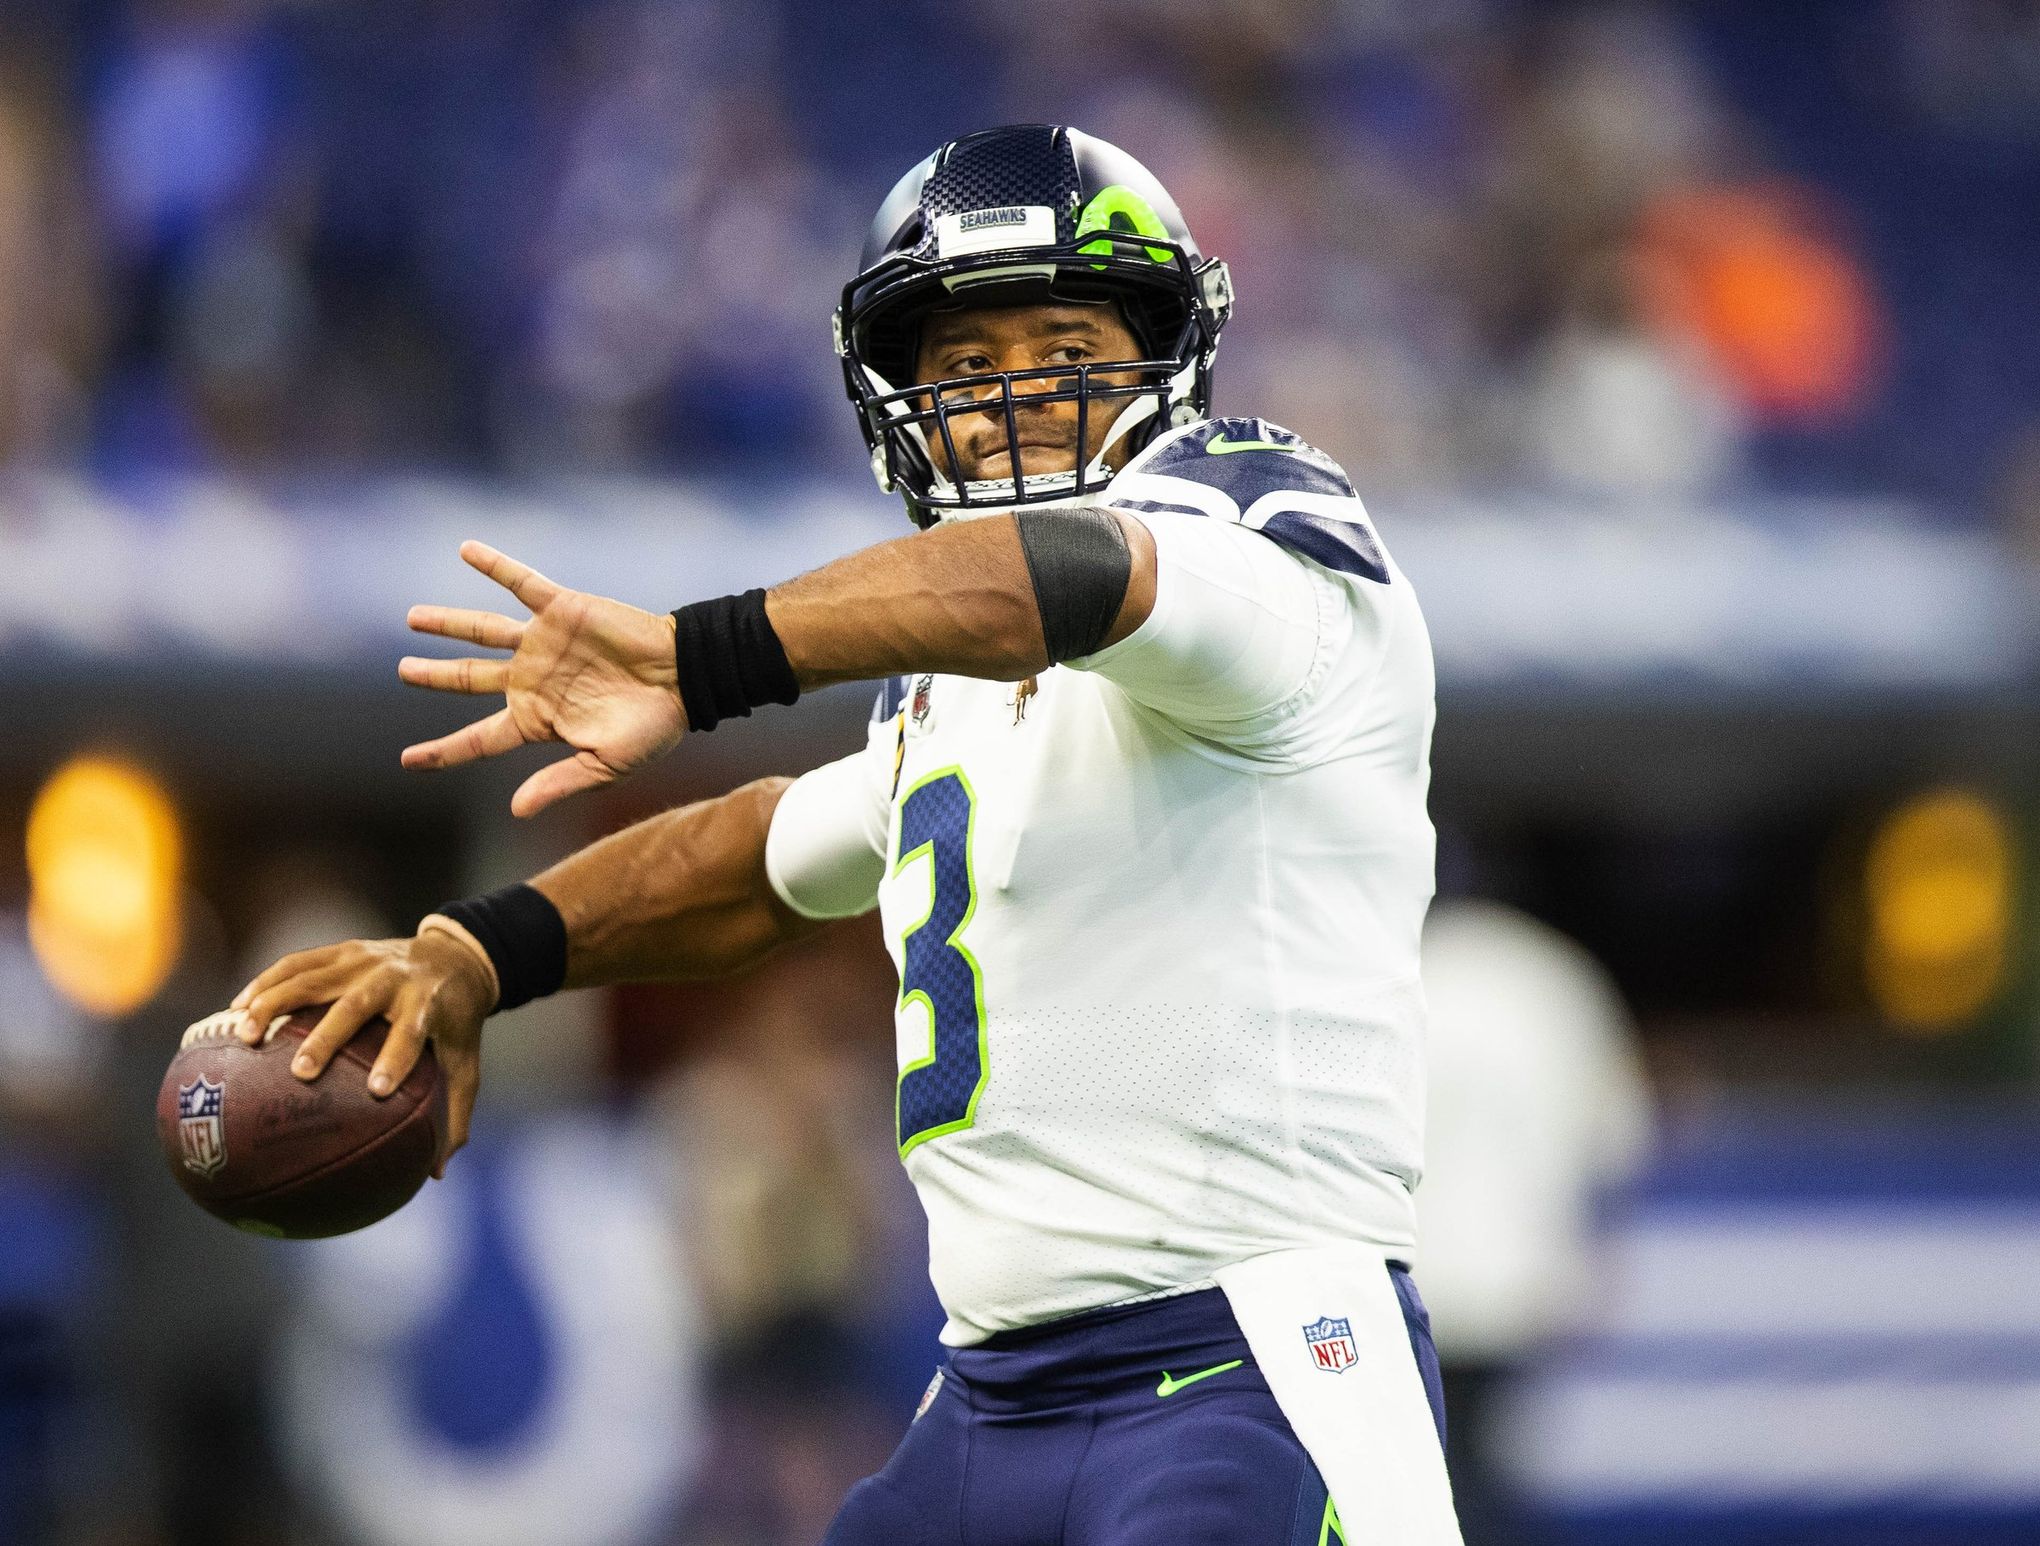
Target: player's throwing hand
[
  {"x": 430, "y": 988},
  {"x": 587, "y": 671}
]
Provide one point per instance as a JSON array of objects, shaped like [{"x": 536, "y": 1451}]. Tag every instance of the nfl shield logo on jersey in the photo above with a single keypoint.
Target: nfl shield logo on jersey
[
  {"x": 1331, "y": 1344},
  {"x": 198, "y": 1122}
]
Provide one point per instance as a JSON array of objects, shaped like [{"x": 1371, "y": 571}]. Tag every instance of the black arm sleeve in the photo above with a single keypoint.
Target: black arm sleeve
[{"x": 1080, "y": 565}]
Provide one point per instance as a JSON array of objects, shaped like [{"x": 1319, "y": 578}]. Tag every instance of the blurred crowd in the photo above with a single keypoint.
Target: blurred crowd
[{"x": 1597, "y": 248}]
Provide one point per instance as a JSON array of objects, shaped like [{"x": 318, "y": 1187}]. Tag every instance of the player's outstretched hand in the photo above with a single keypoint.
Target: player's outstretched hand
[
  {"x": 430, "y": 988},
  {"x": 592, "y": 673}
]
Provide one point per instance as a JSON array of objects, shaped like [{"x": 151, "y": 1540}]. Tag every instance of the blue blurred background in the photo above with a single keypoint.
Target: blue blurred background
[{"x": 1685, "y": 353}]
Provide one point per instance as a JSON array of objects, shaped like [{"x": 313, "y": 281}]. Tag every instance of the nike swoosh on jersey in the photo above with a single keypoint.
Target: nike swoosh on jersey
[
  {"x": 1218, "y": 445},
  {"x": 1170, "y": 1384}
]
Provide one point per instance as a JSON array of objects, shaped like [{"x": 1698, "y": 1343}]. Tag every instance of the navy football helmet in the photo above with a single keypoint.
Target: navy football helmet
[{"x": 1031, "y": 212}]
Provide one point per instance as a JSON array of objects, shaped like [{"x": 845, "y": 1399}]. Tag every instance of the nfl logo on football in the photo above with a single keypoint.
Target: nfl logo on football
[
  {"x": 1331, "y": 1344},
  {"x": 198, "y": 1122}
]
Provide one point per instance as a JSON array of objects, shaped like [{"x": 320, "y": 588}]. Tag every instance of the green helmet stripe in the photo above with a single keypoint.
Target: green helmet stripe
[{"x": 1119, "y": 208}]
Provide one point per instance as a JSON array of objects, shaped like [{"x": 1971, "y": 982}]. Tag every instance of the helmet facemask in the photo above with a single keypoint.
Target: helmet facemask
[{"x": 1166, "y": 300}]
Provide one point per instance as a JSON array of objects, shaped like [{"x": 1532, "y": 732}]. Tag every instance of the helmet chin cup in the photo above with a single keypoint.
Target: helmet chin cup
[{"x": 879, "y": 470}]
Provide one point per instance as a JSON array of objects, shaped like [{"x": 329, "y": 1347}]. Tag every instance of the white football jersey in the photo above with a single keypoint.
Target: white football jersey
[{"x": 1156, "y": 920}]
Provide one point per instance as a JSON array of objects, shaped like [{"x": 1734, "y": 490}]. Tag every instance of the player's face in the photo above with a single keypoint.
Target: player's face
[{"x": 993, "y": 339}]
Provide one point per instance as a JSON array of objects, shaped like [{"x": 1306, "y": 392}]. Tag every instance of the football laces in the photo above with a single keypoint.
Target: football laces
[{"x": 225, "y": 1026}]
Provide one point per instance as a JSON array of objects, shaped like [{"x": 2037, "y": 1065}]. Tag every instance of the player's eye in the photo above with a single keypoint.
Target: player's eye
[
  {"x": 969, "y": 365},
  {"x": 1071, "y": 354}
]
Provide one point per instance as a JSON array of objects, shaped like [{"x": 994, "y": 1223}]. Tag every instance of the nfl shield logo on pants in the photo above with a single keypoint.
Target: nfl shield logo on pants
[
  {"x": 198, "y": 1123},
  {"x": 1331, "y": 1344}
]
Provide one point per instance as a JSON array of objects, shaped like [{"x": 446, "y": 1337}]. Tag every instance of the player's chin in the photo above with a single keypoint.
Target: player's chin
[{"x": 1035, "y": 462}]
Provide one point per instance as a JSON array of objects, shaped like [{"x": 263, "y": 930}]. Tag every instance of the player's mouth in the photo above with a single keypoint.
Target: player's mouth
[{"x": 1036, "y": 456}]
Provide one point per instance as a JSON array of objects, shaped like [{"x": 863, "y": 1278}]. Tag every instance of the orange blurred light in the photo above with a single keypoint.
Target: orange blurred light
[
  {"x": 105, "y": 869},
  {"x": 1753, "y": 275}
]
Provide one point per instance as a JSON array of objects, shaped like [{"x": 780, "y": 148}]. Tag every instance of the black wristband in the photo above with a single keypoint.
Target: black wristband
[
  {"x": 729, "y": 660},
  {"x": 524, "y": 936}
]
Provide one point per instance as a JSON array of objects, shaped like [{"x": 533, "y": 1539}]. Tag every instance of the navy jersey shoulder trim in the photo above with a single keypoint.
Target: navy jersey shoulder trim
[
  {"x": 1253, "y": 463},
  {"x": 1152, "y": 506},
  {"x": 1247, "y": 458},
  {"x": 891, "y": 694},
  {"x": 1347, "y": 546}
]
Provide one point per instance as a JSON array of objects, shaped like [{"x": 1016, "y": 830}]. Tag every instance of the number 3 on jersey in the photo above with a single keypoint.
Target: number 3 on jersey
[{"x": 939, "y": 1093}]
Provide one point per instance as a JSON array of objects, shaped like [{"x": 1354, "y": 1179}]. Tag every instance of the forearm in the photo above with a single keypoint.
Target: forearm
[
  {"x": 958, "y": 599},
  {"x": 955, "y": 599},
  {"x": 679, "y": 895}
]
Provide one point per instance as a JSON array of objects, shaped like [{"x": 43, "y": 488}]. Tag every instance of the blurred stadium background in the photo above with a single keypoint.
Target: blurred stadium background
[{"x": 1686, "y": 353}]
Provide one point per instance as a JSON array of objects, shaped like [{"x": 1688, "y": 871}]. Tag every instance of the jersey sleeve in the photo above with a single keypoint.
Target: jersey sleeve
[
  {"x": 825, "y": 849},
  {"x": 1271, "y": 587}
]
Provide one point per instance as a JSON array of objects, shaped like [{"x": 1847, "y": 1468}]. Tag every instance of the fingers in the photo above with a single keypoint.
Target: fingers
[
  {"x": 305, "y": 977},
  {"x": 320, "y": 987},
  {"x": 521, "y": 580},
  {"x": 265, "y": 979},
  {"x": 488, "y": 737},
  {"x": 554, "y": 782},
  {"x": 461, "y": 1068},
  {"x": 368, "y": 997},
  {"x": 297, "y": 962},
  {"x": 491, "y": 630},
  {"x": 401, "y": 1049},
  {"x": 469, "y": 676}
]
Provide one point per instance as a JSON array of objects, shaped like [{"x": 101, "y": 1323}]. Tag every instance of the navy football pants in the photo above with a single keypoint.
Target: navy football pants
[{"x": 1061, "y": 1435}]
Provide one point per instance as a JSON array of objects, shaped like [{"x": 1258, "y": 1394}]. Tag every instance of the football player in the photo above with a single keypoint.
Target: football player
[{"x": 1142, "y": 809}]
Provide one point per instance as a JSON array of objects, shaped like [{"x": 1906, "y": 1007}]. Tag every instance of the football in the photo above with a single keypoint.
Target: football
[{"x": 253, "y": 1144}]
